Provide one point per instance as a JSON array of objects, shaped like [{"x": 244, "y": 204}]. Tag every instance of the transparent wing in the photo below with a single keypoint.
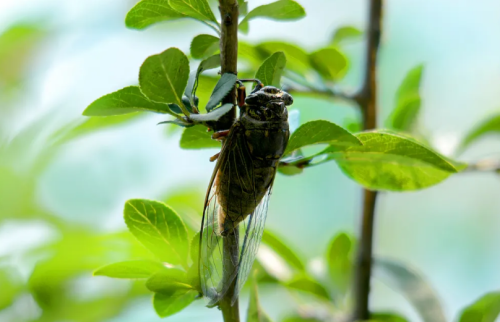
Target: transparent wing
[{"x": 215, "y": 276}]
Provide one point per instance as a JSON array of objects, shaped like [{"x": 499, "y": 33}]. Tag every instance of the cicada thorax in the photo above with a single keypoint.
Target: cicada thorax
[{"x": 260, "y": 137}]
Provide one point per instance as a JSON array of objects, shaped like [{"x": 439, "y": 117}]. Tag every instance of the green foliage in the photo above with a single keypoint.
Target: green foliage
[
  {"x": 488, "y": 127},
  {"x": 130, "y": 269},
  {"x": 308, "y": 285},
  {"x": 197, "y": 9},
  {"x": 169, "y": 303},
  {"x": 282, "y": 250},
  {"x": 11, "y": 287},
  {"x": 408, "y": 101},
  {"x": 329, "y": 62},
  {"x": 320, "y": 131},
  {"x": 124, "y": 101},
  {"x": 271, "y": 70},
  {"x": 224, "y": 86},
  {"x": 203, "y": 46},
  {"x": 148, "y": 12},
  {"x": 296, "y": 318},
  {"x": 413, "y": 286},
  {"x": 339, "y": 260},
  {"x": 387, "y": 317},
  {"x": 388, "y": 161},
  {"x": 197, "y": 137},
  {"x": 345, "y": 34},
  {"x": 296, "y": 57},
  {"x": 255, "y": 312},
  {"x": 164, "y": 77},
  {"x": 485, "y": 309},
  {"x": 159, "y": 229},
  {"x": 168, "y": 280},
  {"x": 279, "y": 10}
]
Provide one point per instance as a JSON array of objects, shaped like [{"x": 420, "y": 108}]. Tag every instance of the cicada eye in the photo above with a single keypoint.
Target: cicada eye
[{"x": 287, "y": 98}]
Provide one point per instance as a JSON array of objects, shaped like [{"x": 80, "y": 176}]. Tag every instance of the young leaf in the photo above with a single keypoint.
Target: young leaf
[
  {"x": 320, "y": 131},
  {"x": 255, "y": 312},
  {"x": 346, "y": 33},
  {"x": 224, "y": 85},
  {"x": 296, "y": 58},
  {"x": 167, "y": 304},
  {"x": 488, "y": 127},
  {"x": 279, "y": 10},
  {"x": 283, "y": 250},
  {"x": 197, "y": 137},
  {"x": 339, "y": 260},
  {"x": 486, "y": 309},
  {"x": 130, "y": 269},
  {"x": 148, "y": 12},
  {"x": 159, "y": 229},
  {"x": 203, "y": 46},
  {"x": 270, "y": 71},
  {"x": 197, "y": 9},
  {"x": 389, "y": 161},
  {"x": 329, "y": 62},
  {"x": 214, "y": 115},
  {"x": 412, "y": 286},
  {"x": 308, "y": 285},
  {"x": 408, "y": 101},
  {"x": 164, "y": 77},
  {"x": 124, "y": 101},
  {"x": 168, "y": 281}
]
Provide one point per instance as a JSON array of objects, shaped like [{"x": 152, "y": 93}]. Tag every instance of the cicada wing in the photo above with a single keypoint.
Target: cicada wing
[
  {"x": 214, "y": 277},
  {"x": 253, "y": 230}
]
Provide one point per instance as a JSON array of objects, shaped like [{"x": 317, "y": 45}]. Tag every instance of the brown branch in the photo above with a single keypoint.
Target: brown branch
[
  {"x": 229, "y": 12},
  {"x": 367, "y": 100}
]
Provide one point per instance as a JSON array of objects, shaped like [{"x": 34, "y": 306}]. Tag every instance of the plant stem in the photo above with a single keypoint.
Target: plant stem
[
  {"x": 229, "y": 12},
  {"x": 367, "y": 100}
]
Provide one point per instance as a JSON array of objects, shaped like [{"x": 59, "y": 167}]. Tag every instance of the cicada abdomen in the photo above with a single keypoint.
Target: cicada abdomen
[{"x": 240, "y": 186}]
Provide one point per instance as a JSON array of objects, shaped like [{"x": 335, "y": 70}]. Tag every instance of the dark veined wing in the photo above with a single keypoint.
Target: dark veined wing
[{"x": 215, "y": 277}]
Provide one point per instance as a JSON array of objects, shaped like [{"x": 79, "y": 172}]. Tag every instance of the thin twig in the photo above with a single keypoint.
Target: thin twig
[
  {"x": 486, "y": 165},
  {"x": 367, "y": 99},
  {"x": 229, "y": 12}
]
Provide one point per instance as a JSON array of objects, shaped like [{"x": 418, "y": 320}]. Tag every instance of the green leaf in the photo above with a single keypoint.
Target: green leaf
[
  {"x": 488, "y": 127},
  {"x": 283, "y": 250},
  {"x": 195, "y": 246},
  {"x": 168, "y": 281},
  {"x": 130, "y": 269},
  {"x": 339, "y": 260},
  {"x": 11, "y": 285},
  {"x": 389, "y": 161},
  {"x": 159, "y": 229},
  {"x": 167, "y": 304},
  {"x": 320, "y": 131},
  {"x": 408, "y": 102},
  {"x": 255, "y": 312},
  {"x": 308, "y": 285},
  {"x": 329, "y": 62},
  {"x": 243, "y": 7},
  {"x": 297, "y": 318},
  {"x": 213, "y": 115},
  {"x": 124, "y": 101},
  {"x": 412, "y": 286},
  {"x": 387, "y": 317},
  {"x": 485, "y": 309},
  {"x": 270, "y": 71},
  {"x": 197, "y": 9},
  {"x": 346, "y": 33},
  {"x": 208, "y": 63},
  {"x": 197, "y": 137},
  {"x": 296, "y": 58},
  {"x": 164, "y": 77},
  {"x": 279, "y": 10},
  {"x": 223, "y": 87},
  {"x": 148, "y": 12},
  {"x": 203, "y": 46}
]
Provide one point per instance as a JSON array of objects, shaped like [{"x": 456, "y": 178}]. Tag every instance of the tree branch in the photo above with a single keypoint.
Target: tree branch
[
  {"x": 229, "y": 12},
  {"x": 367, "y": 100}
]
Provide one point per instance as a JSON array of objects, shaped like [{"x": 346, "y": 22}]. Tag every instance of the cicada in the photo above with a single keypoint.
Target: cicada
[{"x": 240, "y": 187}]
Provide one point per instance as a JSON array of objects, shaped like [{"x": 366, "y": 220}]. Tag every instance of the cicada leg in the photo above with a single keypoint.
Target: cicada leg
[
  {"x": 257, "y": 87},
  {"x": 214, "y": 157}
]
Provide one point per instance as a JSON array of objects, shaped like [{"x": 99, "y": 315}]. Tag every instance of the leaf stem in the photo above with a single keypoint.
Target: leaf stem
[
  {"x": 367, "y": 100},
  {"x": 229, "y": 12},
  {"x": 216, "y": 29}
]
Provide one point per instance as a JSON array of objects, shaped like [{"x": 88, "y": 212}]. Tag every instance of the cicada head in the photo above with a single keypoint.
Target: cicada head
[{"x": 268, "y": 104}]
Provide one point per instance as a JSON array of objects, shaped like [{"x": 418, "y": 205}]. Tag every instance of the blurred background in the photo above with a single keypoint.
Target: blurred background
[{"x": 62, "y": 192}]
